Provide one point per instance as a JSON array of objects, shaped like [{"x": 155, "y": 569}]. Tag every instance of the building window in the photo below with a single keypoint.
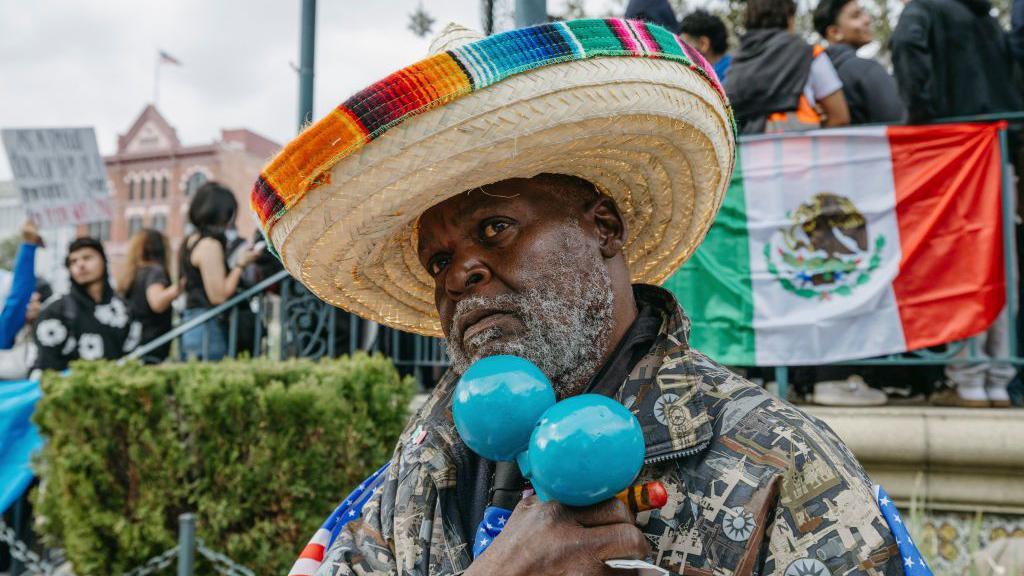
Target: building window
[
  {"x": 163, "y": 187},
  {"x": 100, "y": 230},
  {"x": 159, "y": 222},
  {"x": 131, "y": 189},
  {"x": 134, "y": 225},
  {"x": 152, "y": 188},
  {"x": 193, "y": 183}
]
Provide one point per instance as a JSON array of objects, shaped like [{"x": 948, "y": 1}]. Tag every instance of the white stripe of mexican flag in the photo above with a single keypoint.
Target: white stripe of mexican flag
[{"x": 844, "y": 244}]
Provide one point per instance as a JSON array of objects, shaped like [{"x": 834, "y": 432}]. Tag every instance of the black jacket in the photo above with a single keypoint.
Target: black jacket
[
  {"x": 767, "y": 75},
  {"x": 870, "y": 91},
  {"x": 952, "y": 58},
  {"x": 75, "y": 327},
  {"x": 1017, "y": 30}
]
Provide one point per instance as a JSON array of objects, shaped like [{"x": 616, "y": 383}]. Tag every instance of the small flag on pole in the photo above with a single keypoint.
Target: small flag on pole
[{"x": 165, "y": 57}]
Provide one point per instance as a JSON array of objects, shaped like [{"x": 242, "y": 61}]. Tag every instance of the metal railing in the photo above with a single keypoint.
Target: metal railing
[
  {"x": 213, "y": 315},
  {"x": 309, "y": 328},
  {"x": 184, "y": 553}
]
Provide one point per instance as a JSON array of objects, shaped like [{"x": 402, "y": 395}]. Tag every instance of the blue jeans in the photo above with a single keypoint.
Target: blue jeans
[{"x": 204, "y": 342}]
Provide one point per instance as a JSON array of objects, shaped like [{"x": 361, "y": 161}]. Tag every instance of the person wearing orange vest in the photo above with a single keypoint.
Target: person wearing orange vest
[{"x": 777, "y": 82}]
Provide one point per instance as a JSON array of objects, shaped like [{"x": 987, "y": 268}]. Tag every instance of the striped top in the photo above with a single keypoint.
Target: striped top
[{"x": 442, "y": 78}]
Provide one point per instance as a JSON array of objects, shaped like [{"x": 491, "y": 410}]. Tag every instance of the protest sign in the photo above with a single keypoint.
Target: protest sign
[{"x": 60, "y": 175}]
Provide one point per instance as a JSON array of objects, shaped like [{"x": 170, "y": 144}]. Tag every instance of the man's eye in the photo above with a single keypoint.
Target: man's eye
[
  {"x": 492, "y": 229},
  {"x": 437, "y": 264}
]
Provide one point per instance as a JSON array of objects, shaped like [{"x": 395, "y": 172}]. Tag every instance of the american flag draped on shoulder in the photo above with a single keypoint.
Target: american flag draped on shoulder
[
  {"x": 351, "y": 508},
  {"x": 913, "y": 561},
  {"x": 313, "y": 554}
]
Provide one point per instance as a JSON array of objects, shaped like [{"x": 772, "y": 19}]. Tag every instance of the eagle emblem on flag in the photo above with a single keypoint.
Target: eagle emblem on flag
[{"x": 826, "y": 251}]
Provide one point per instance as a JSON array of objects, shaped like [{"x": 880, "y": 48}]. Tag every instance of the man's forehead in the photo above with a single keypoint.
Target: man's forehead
[
  {"x": 463, "y": 207},
  {"x": 543, "y": 189},
  {"x": 499, "y": 194}
]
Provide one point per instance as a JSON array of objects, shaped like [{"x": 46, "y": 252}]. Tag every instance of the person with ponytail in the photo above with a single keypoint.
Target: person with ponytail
[{"x": 209, "y": 281}]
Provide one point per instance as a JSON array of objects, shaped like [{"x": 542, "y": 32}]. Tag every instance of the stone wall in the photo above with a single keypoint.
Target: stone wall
[{"x": 958, "y": 474}]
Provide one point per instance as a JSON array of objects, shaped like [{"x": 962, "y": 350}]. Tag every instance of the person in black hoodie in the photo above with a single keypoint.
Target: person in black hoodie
[
  {"x": 952, "y": 58},
  {"x": 88, "y": 323},
  {"x": 778, "y": 82},
  {"x": 870, "y": 91}
]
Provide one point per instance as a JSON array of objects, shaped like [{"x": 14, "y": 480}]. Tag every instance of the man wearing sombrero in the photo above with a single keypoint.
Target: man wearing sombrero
[{"x": 525, "y": 194}]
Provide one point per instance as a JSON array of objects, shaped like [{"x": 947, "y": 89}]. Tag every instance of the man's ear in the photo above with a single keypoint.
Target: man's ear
[
  {"x": 832, "y": 34},
  {"x": 610, "y": 226},
  {"x": 703, "y": 45}
]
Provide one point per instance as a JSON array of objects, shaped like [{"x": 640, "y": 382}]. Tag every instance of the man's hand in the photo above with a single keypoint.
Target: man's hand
[
  {"x": 30, "y": 234},
  {"x": 549, "y": 538}
]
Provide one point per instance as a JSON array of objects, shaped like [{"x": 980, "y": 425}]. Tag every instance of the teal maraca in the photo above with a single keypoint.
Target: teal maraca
[{"x": 579, "y": 451}]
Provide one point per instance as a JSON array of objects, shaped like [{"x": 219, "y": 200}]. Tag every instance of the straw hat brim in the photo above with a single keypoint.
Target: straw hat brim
[{"x": 652, "y": 134}]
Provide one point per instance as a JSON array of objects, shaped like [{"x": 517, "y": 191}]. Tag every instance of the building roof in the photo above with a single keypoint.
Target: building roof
[
  {"x": 149, "y": 132},
  {"x": 152, "y": 136}
]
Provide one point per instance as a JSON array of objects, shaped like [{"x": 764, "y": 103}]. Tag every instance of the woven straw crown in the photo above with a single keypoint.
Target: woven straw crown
[{"x": 623, "y": 104}]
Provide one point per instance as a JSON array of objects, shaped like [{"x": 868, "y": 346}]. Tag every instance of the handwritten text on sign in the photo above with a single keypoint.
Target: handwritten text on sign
[{"x": 60, "y": 175}]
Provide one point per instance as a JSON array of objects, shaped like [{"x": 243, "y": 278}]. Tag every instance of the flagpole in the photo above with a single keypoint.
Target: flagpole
[{"x": 156, "y": 80}]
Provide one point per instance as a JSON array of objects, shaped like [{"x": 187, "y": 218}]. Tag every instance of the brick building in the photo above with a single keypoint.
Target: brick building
[{"x": 153, "y": 175}]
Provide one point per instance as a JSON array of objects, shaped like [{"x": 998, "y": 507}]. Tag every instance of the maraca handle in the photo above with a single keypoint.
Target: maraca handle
[{"x": 644, "y": 497}]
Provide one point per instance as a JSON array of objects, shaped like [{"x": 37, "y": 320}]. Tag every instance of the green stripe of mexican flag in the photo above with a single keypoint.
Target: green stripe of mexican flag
[{"x": 845, "y": 244}]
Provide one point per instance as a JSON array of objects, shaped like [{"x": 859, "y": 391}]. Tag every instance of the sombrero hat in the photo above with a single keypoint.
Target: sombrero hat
[{"x": 623, "y": 104}]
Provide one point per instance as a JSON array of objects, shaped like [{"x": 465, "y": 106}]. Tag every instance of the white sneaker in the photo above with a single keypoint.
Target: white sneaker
[
  {"x": 850, "y": 392},
  {"x": 792, "y": 397},
  {"x": 999, "y": 396}
]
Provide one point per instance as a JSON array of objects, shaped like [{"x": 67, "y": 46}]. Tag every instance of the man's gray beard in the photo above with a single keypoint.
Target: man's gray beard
[{"x": 565, "y": 331}]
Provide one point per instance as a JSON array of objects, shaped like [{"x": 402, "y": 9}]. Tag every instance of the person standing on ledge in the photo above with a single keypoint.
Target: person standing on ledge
[
  {"x": 870, "y": 91},
  {"x": 706, "y": 32},
  {"x": 525, "y": 194}
]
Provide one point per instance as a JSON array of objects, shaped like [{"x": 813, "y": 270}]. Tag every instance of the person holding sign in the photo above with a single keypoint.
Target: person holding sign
[
  {"x": 21, "y": 309},
  {"x": 12, "y": 316},
  {"x": 524, "y": 194}
]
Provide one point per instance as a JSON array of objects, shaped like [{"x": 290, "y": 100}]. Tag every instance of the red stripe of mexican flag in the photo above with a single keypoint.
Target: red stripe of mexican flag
[{"x": 844, "y": 244}]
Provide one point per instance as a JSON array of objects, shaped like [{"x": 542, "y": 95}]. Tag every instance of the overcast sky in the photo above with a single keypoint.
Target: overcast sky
[{"x": 91, "y": 63}]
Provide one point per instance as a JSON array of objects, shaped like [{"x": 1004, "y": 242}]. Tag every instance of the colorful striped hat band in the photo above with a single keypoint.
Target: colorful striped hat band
[{"x": 623, "y": 104}]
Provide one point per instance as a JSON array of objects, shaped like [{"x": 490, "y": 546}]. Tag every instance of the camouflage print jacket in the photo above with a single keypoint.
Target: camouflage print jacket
[{"x": 755, "y": 485}]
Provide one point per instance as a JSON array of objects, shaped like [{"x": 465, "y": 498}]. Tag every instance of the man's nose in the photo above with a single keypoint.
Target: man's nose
[{"x": 466, "y": 275}]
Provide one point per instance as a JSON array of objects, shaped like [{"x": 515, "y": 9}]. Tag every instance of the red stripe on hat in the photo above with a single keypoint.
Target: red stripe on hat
[
  {"x": 644, "y": 36},
  {"x": 624, "y": 35}
]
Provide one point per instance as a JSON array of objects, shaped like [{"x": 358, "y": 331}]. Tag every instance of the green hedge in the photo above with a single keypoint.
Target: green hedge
[{"x": 261, "y": 451}]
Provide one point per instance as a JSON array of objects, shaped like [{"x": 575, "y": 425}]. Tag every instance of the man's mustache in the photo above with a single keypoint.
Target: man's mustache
[{"x": 505, "y": 304}]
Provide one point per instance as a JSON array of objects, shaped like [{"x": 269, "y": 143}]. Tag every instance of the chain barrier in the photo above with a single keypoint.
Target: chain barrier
[
  {"x": 221, "y": 563},
  {"x": 36, "y": 566},
  {"x": 155, "y": 564},
  {"x": 21, "y": 552}
]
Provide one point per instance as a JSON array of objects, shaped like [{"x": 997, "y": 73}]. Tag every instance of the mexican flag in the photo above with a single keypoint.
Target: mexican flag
[{"x": 852, "y": 243}]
